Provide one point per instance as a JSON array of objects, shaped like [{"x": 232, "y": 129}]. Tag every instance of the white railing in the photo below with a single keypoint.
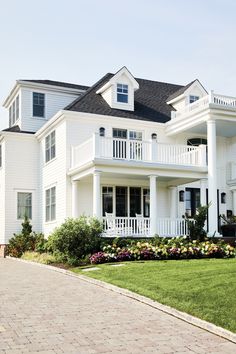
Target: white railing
[
  {"x": 192, "y": 107},
  {"x": 213, "y": 98},
  {"x": 126, "y": 226},
  {"x": 172, "y": 227},
  {"x": 140, "y": 151},
  {"x": 223, "y": 100}
]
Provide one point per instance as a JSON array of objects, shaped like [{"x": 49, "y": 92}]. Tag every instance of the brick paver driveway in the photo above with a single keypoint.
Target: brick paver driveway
[{"x": 42, "y": 311}]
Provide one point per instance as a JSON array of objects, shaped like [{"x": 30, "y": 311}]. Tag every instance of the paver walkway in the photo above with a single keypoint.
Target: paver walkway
[{"x": 42, "y": 311}]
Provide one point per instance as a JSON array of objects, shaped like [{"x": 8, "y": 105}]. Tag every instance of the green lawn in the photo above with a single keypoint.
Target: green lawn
[{"x": 204, "y": 288}]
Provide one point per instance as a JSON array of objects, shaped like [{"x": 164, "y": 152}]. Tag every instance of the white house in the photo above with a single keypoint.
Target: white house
[{"x": 137, "y": 153}]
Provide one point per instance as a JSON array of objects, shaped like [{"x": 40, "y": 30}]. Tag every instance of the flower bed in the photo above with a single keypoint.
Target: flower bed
[{"x": 175, "y": 248}]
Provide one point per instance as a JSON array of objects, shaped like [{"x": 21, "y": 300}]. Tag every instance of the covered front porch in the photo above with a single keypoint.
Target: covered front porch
[{"x": 132, "y": 203}]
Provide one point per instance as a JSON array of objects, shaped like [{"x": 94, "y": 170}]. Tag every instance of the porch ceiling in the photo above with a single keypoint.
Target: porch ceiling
[
  {"x": 223, "y": 128},
  {"x": 113, "y": 177}
]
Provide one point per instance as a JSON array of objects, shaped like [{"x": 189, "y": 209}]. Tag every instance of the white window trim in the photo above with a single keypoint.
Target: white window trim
[
  {"x": 121, "y": 93},
  {"x": 18, "y": 190},
  {"x": 53, "y": 221},
  {"x": 45, "y": 106},
  {"x": 50, "y": 147}
]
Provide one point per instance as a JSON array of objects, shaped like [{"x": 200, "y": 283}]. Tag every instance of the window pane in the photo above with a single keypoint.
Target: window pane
[
  {"x": 146, "y": 203},
  {"x": 122, "y": 98},
  {"x": 24, "y": 205},
  {"x": 121, "y": 201},
  {"x": 17, "y": 107},
  {"x": 107, "y": 200},
  {"x": 38, "y": 104},
  {"x": 135, "y": 201}
]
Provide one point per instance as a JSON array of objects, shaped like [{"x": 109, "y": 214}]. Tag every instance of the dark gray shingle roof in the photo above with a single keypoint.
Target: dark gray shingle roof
[
  {"x": 149, "y": 101},
  {"x": 59, "y": 83},
  {"x": 16, "y": 129}
]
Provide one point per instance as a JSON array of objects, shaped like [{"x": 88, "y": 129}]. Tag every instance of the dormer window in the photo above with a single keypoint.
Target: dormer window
[
  {"x": 38, "y": 104},
  {"x": 122, "y": 93},
  {"x": 193, "y": 98}
]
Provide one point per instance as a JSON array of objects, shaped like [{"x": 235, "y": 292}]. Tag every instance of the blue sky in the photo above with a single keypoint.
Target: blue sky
[{"x": 79, "y": 41}]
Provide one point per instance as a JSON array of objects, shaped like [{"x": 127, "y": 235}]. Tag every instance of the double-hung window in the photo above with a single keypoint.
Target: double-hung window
[
  {"x": 38, "y": 104},
  {"x": 50, "y": 204},
  {"x": 14, "y": 112},
  {"x": 122, "y": 93},
  {"x": 24, "y": 205},
  {"x": 50, "y": 146}
]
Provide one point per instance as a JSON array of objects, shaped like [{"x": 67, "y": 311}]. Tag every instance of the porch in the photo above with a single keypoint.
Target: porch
[{"x": 133, "y": 205}]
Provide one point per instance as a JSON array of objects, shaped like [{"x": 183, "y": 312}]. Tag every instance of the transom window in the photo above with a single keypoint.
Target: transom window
[
  {"x": 50, "y": 146},
  {"x": 50, "y": 204},
  {"x": 122, "y": 93},
  {"x": 197, "y": 141},
  {"x": 38, "y": 104},
  {"x": 193, "y": 98},
  {"x": 24, "y": 205}
]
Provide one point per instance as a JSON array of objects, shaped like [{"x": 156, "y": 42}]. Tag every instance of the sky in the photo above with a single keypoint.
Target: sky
[{"x": 79, "y": 41}]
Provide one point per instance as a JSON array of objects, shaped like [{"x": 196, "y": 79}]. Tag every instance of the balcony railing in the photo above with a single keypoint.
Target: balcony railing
[
  {"x": 139, "y": 151},
  {"x": 212, "y": 98},
  {"x": 140, "y": 227}
]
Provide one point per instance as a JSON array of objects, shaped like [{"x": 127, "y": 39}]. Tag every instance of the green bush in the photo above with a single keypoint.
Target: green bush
[
  {"x": 25, "y": 241},
  {"x": 21, "y": 243},
  {"x": 75, "y": 239}
]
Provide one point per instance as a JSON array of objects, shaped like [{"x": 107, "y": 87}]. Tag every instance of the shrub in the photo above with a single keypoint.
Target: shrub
[
  {"x": 76, "y": 238},
  {"x": 21, "y": 243},
  {"x": 25, "y": 241},
  {"x": 196, "y": 226}
]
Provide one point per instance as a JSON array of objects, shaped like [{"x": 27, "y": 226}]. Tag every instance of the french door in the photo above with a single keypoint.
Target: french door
[
  {"x": 125, "y": 201},
  {"x": 127, "y": 144}
]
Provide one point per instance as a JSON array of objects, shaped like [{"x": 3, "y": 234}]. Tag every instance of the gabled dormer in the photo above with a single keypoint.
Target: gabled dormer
[
  {"x": 186, "y": 95},
  {"x": 118, "y": 92}
]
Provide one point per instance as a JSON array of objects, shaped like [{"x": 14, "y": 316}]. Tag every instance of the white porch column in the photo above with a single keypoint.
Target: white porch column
[
  {"x": 173, "y": 202},
  {"x": 203, "y": 183},
  {"x": 233, "y": 190},
  {"x": 97, "y": 194},
  {"x": 212, "y": 179},
  {"x": 75, "y": 199},
  {"x": 153, "y": 205}
]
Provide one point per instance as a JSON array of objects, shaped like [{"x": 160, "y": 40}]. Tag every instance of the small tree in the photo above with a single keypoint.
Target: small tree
[
  {"x": 26, "y": 227},
  {"x": 196, "y": 225}
]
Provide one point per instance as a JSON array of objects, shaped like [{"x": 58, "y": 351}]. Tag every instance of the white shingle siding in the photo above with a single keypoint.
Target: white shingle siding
[
  {"x": 54, "y": 101},
  {"x": 22, "y": 171}
]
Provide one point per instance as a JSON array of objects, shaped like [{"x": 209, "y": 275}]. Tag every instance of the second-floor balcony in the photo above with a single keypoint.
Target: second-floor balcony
[{"x": 108, "y": 148}]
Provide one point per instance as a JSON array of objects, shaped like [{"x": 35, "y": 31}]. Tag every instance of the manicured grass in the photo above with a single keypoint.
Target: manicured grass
[{"x": 204, "y": 288}]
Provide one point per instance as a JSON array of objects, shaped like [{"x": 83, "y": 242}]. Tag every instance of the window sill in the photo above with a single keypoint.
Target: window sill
[
  {"x": 40, "y": 118},
  {"x": 50, "y": 222},
  {"x": 50, "y": 161}
]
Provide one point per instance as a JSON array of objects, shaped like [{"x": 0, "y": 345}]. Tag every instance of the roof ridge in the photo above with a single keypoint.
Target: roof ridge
[
  {"x": 87, "y": 92},
  {"x": 47, "y": 81},
  {"x": 160, "y": 82}
]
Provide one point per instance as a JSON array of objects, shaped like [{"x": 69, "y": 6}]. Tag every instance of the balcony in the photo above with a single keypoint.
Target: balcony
[
  {"x": 107, "y": 148},
  {"x": 216, "y": 100}
]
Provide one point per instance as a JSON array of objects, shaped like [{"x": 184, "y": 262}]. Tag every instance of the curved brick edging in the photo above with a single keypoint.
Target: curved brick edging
[{"x": 219, "y": 331}]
